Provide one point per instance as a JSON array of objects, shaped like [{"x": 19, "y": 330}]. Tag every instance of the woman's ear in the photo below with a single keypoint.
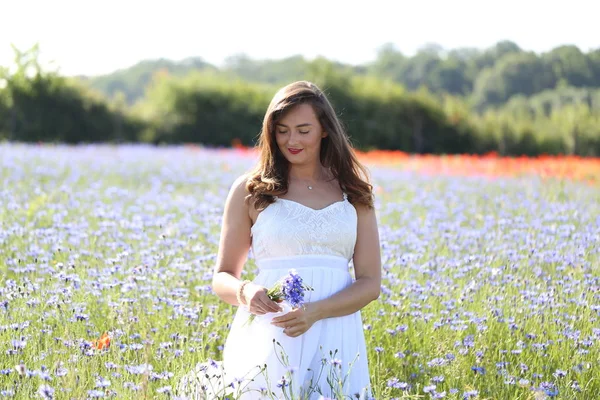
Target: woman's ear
[{"x": 324, "y": 134}]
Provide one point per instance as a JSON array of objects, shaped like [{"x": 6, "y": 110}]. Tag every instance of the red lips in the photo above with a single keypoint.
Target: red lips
[{"x": 295, "y": 151}]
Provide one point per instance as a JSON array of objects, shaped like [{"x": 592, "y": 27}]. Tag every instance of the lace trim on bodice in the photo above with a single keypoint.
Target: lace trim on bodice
[
  {"x": 289, "y": 228},
  {"x": 344, "y": 195}
]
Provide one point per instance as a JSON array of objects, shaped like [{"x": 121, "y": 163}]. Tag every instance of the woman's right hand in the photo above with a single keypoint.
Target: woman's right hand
[{"x": 257, "y": 301}]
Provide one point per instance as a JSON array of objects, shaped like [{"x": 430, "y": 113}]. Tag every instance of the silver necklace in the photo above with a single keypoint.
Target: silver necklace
[{"x": 310, "y": 187}]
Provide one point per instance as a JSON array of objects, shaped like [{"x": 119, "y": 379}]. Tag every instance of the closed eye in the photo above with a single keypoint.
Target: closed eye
[{"x": 284, "y": 132}]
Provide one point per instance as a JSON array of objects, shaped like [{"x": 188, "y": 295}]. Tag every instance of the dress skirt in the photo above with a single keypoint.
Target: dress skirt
[{"x": 329, "y": 360}]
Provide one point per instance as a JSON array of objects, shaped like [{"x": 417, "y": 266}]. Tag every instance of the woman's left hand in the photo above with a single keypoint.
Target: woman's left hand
[{"x": 297, "y": 321}]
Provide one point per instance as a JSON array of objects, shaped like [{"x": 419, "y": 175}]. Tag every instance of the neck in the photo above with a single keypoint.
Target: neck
[{"x": 307, "y": 172}]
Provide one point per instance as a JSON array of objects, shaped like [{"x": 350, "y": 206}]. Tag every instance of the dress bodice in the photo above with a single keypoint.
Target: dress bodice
[{"x": 287, "y": 228}]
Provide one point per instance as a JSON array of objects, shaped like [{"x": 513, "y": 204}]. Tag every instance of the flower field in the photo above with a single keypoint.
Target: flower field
[{"x": 491, "y": 281}]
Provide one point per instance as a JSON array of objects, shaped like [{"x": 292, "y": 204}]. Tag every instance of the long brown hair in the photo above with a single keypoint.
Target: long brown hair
[{"x": 270, "y": 176}]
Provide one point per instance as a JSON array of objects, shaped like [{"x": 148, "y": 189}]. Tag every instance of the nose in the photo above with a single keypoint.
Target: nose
[{"x": 294, "y": 136}]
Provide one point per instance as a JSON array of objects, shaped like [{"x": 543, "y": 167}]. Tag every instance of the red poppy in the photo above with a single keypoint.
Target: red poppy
[{"x": 103, "y": 342}]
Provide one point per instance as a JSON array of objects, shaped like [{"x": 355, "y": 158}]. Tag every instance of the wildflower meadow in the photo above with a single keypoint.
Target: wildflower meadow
[{"x": 491, "y": 280}]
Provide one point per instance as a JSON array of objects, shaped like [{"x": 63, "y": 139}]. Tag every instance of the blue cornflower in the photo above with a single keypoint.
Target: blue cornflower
[
  {"x": 282, "y": 382},
  {"x": 164, "y": 389},
  {"x": 478, "y": 370},
  {"x": 46, "y": 392},
  {"x": 395, "y": 383},
  {"x": 95, "y": 393},
  {"x": 470, "y": 393},
  {"x": 429, "y": 388},
  {"x": 336, "y": 362},
  {"x": 292, "y": 289},
  {"x": 560, "y": 373}
]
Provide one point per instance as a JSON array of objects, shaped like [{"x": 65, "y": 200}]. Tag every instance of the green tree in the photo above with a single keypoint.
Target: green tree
[
  {"x": 568, "y": 63},
  {"x": 45, "y": 106},
  {"x": 514, "y": 73}
]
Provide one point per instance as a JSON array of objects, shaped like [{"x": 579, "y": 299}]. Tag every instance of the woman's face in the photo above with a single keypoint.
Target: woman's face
[{"x": 298, "y": 135}]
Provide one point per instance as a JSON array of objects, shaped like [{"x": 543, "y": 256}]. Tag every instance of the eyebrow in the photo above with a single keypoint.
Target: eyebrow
[{"x": 297, "y": 126}]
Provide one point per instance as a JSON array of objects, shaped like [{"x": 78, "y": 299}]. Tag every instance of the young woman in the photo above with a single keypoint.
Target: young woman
[{"x": 306, "y": 206}]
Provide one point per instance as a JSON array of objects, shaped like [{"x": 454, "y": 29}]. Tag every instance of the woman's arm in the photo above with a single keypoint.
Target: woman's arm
[
  {"x": 367, "y": 267},
  {"x": 366, "y": 288},
  {"x": 234, "y": 244}
]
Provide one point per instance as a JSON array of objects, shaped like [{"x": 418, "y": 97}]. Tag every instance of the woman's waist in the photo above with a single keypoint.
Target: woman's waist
[{"x": 303, "y": 262}]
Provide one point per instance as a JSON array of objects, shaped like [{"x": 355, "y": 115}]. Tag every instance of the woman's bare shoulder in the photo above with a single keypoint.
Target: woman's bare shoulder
[
  {"x": 240, "y": 196},
  {"x": 238, "y": 189}
]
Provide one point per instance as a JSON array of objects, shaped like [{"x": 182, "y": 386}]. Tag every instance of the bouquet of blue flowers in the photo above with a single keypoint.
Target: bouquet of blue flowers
[{"x": 290, "y": 289}]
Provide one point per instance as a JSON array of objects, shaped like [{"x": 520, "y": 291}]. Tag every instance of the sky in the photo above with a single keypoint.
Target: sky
[{"x": 97, "y": 37}]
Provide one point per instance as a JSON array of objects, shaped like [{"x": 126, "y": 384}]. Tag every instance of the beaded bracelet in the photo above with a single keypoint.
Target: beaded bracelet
[{"x": 240, "y": 290}]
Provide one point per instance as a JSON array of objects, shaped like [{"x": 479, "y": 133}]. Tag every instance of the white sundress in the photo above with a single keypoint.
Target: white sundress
[{"x": 319, "y": 245}]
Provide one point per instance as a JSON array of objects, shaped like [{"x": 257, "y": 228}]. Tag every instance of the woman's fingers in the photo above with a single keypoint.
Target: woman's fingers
[
  {"x": 285, "y": 318},
  {"x": 290, "y": 323},
  {"x": 263, "y": 306},
  {"x": 269, "y": 305},
  {"x": 258, "y": 301},
  {"x": 263, "y": 300},
  {"x": 260, "y": 306},
  {"x": 285, "y": 324},
  {"x": 257, "y": 311},
  {"x": 293, "y": 331},
  {"x": 265, "y": 303}
]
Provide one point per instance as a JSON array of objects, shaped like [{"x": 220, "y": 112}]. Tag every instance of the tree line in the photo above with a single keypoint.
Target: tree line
[
  {"x": 503, "y": 99},
  {"x": 485, "y": 78}
]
